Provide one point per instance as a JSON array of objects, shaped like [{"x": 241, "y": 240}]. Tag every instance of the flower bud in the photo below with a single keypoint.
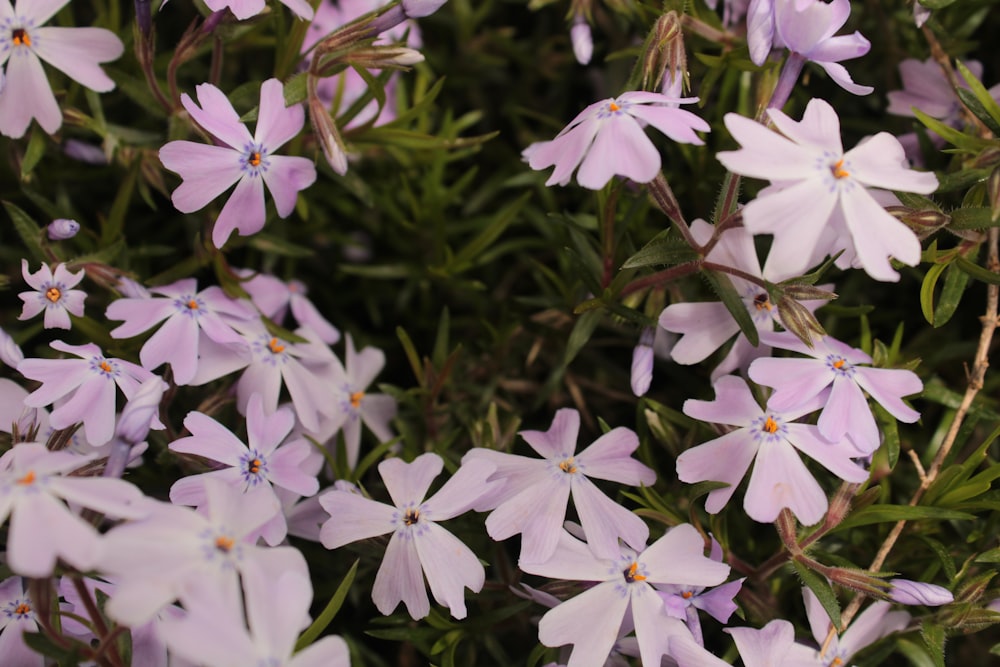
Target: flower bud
[
  {"x": 583, "y": 41},
  {"x": 858, "y": 580},
  {"x": 642, "y": 363},
  {"x": 796, "y": 318},
  {"x": 141, "y": 413},
  {"x": 801, "y": 292},
  {"x": 924, "y": 222},
  {"x": 416, "y": 9},
  {"x": 905, "y": 591},
  {"x": 10, "y": 353},
  {"x": 329, "y": 137},
  {"x": 664, "y": 51},
  {"x": 62, "y": 229},
  {"x": 81, "y": 151}
]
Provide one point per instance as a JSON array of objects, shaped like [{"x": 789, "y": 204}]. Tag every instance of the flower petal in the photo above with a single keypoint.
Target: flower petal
[
  {"x": 450, "y": 567},
  {"x": 208, "y": 171},
  {"x": 400, "y": 579},
  {"x": 285, "y": 177},
  {"x": 217, "y": 116},
  {"x": 243, "y": 212},
  {"x": 26, "y": 95},
  {"x": 77, "y": 52},
  {"x": 276, "y": 123}
]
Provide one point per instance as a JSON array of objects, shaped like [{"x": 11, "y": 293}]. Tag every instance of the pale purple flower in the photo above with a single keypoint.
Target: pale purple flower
[
  {"x": 17, "y": 616},
  {"x": 905, "y": 591},
  {"x": 592, "y": 620},
  {"x": 848, "y": 373},
  {"x": 582, "y": 40},
  {"x": 52, "y": 294},
  {"x": 607, "y": 139},
  {"x": 176, "y": 553},
  {"x": 13, "y": 411},
  {"x": 536, "y": 492},
  {"x": 33, "y": 488},
  {"x": 770, "y": 646},
  {"x": 779, "y": 478},
  {"x": 245, "y": 9},
  {"x": 10, "y": 352},
  {"x": 642, "y": 362},
  {"x": 77, "y": 52},
  {"x": 189, "y": 318},
  {"x": 820, "y": 202},
  {"x": 140, "y": 413},
  {"x": 89, "y": 381},
  {"x": 62, "y": 229},
  {"x": 260, "y": 463},
  {"x": 84, "y": 152},
  {"x": 274, "y": 297},
  {"x": 416, "y": 9},
  {"x": 261, "y": 632},
  {"x": 682, "y": 601},
  {"x": 418, "y": 544},
  {"x": 352, "y": 404},
  {"x": 248, "y": 161}
]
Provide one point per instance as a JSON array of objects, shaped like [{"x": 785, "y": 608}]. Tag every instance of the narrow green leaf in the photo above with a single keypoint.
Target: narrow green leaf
[
  {"x": 115, "y": 222},
  {"x": 824, "y": 592},
  {"x": 465, "y": 257},
  {"x": 27, "y": 229},
  {"x": 275, "y": 244},
  {"x": 34, "y": 152},
  {"x": 723, "y": 287},
  {"x": 890, "y": 433},
  {"x": 955, "y": 282},
  {"x": 916, "y": 654},
  {"x": 331, "y": 609},
  {"x": 980, "y": 273},
  {"x": 972, "y": 217},
  {"x": 966, "y": 142},
  {"x": 893, "y": 513},
  {"x": 970, "y": 100},
  {"x": 582, "y": 331},
  {"x": 927, "y": 291},
  {"x": 411, "y": 354},
  {"x": 977, "y": 89},
  {"x": 663, "y": 250},
  {"x": 933, "y": 636}
]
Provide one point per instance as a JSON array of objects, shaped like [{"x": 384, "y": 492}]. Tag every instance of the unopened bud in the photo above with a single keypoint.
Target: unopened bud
[
  {"x": 664, "y": 51},
  {"x": 989, "y": 157},
  {"x": 796, "y": 318},
  {"x": 583, "y": 41},
  {"x": 141, "y": 413},
  {"x": 642, "y": 362},
  {"x": 993, "y": 190},
  {"x": 840, "y": 504},
  {"x": 384, "y": 57},
  {"x": 858, "y": 580},
  {"x": 62, "y": 229},
  {"x": 801, "y": 292},
  {"x": 905, "y": 591},
  {"x": 84, "y": 152},
  {"x": 416, "y": 9},
  {"x": 924, "y": 222},
  {"x": 329, "y": 137}
]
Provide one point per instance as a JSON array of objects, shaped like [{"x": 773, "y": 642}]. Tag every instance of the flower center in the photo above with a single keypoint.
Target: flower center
[
  {"x": 20, "y": 37},
  {"x": 770, "y": 425},
  {"x": 613, "y": 107},
  {"x": 762, "y": 302},
  {"x": 224, "y": 543},
  {"x": 356, "y": 399},
  {"x": 838, "y": 169},
  {"x": 27, "y": 479},
  {"x": 253, "y": 467},
  {"x": 53, "y": 294},
  {"x": 411, "y": 517},
  {"x": 687, "y": 595},
  {"x": 22, "y": 609},
  {"x": 105, "y": 366},
  {"x": 275, "y": 346},
  {"x": 254, "y": 159},
  {"x": 568, "y": 466},
  {"x": 192, "y": 304},
  {"x": 630, "y": 573}
]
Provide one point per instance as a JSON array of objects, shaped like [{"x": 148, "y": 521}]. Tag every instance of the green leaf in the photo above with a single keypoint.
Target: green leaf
[
  {"x": 275, "y": 244},
  {"x": 582, "y": 331},
  {"x": 890, "y": 433},
  {"x": 978, "y": 110},
  {"x": 955, "y": 282},
  {"x": 933, "y": 636},
  {"x": 927, "y": 291},
  {"x": 916, "y": 654},
  {"x": 981, "y": 94},
  {"x": 980, "y": 273},
  {"x": 966, "y": 142},
  {"x": 972, "y": 217},
  {"x": 823, "y": 590},
  {"x": 411, "y": 354},
  {"x": 464, "y": 259},
  {"x": 34, "y": 152},
  {"x": 893, "y": 513},
  {"x": 331, "y": 609},
  {"x": 663, "y": 250},
  {"x": 723, "y": 287},
  {"x": 27, "y": 229}
]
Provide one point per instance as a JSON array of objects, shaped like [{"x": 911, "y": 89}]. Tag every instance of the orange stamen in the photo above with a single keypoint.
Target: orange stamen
[
  {"x": 53, "y": 294},
  {"x": 105, "y": 366},
  {"x": 275, "y": 346},
  {"x": 20, "y": 37},
  {"x": 192, "y": 304},
  {"x": 224, "y": 543},
  {"x": 839, "y": 363},
  {"x": 838, "y": 169},
  {"x": 254, "y": 159},
  {"x": 770, "y": 425},
  {"x": 23, "y": 608},
  {"x": 568, "y": 466},
  {"x": 613, "y": 107},
  {"x": 356, "y": 399},
  {"x": 687, "y": 595},
  {"x": 27, "y": 479},
  {"x": 254, "y": 467},
  {"x": 632, "y": 576}
]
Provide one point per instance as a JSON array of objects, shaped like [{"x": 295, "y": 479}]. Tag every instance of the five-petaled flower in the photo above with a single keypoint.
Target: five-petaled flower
[
  {"x": 248, "y": 161},
  {"x": 52, "y": 293}
]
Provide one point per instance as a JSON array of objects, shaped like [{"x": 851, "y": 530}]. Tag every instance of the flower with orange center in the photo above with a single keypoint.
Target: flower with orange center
[{"x": 53, "y": 295}]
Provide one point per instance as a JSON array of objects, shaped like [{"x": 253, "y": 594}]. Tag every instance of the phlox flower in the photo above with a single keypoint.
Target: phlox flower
[
  {"x": 820, "y": 201},
  {"x": 244, "y": 9},
  {"x": 274, "y": 297},
  {"x": 606, "y": 139},
  {"x": 52, "y": 294},
  {"x": 188, "y": 316},
  {"x": 77, "y": 52},
  {"x": 682, "y": 601},
  {"x": 17, "y": 616},
  {"x": 90, "y": 380},
  {"x": 591, "y": 621},
  {"x": 905, "y": 591},
  {"x": 536, "y": 492},
  {"x": 248, "y": 161},
  {"x": 62, "y": 229},
  {"x": 262, "y": 631},
  {"x": 779, "y": 478},
  {"x": 848, "y": 373},
  {"x": 34, "y": 487},
  {"x": 706, "y": 326},
  {"x": 418, "y": 544},
  {"x": 260, "y": 463},
  {"x": 175, "y": 553}
]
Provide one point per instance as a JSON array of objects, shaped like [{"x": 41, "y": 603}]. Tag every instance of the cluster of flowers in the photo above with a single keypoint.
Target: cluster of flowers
[{"x": 209, "y": 576}]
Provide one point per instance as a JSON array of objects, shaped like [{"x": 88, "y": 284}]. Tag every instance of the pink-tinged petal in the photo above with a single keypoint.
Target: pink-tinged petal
[
  {"x": 285, "y": 177},
  {"x": 303, "y": 10},
  {"x": 139, "y": 315},
  {"x": 32, "y": 552},
  {"x": 765, "y": 154},
  {"x": 679, "y": 558},
  {"x": 276, "y": 123},
  {"x": 878, "y": 236},
  {"x": 842, "y": 47},
  {"x": 605, "y": 521},
  {"x": 33, "y": 305},
  {"x": 217, "y": 116},
  {"x": 537, "y": 513},
  {"x": 308, "y": 393},
  {"x": 706, "y": 326},
  {"x": 39, "y": 10},
  {"x": 26, "y": 95},
  {"x": 678, "y": 124},
  {"x": 590, "y": 622},
  {"x": 819, "y": 127},
  {"x": 760, "y": 29},
  {"x": 888, "y": 386},
  {"x": 190, "y": 490},
  {"x": 58, "y": 377},
  {"x": 353, "y": 518},
  {"x": 208, "y": 171},
  {"x": 796, "y": 382},
  {"x": 285, "y": 471},
  {"x": 847, "y": 411},
  {"x": 176, "y": 343},
  {"x": 450, "y": 567},
  {"x": 306, "y": 314},
  {"x": 216, "y": 360},
  {"x": 872, "y": 624},
  {"x": 241, "y": 9},
  {"x": 718, "y": 602},
  {"x": 819, "y": 620},
  {"x": 651, "y": 624},
  {"x": 400, "y": 579},
  {"x": 94, "y": 405},
  {"x": 243, "y": 212},
  {"x": 801, "y": 26},
  {"x": 733, "y": 405},
  {"x": 780, "y": 479},
  {"x": 880, "y": 162},
  {"x": 377, "y": 410},
  {"x": 364, "y": 366},
  {"x": 73, "y": 301},
  {"x": 724, "y": 459},
  {"x": 765, "y": 647},
  {"x": 409, "y": 482},
  {"x": 608, "y": 458},
  {"x": 843, "y": 79},
  {"x": 565, "y": 152},
  {"x": 620, "y": 148},
  {"x": 67, "y": 277},
  {"x": 835, "y": 457},
  {"x": 114, "y": 497},
  {"x": 560, "y": 439},
  {"x": 56, "y": 318},
  {"x": 461, "y": 492},
  {"x": 265, "y": 431},
  {"x": 572, "y": 561},
  {"x": 12, "y": 647},
  {"x": 796, "y": 243},
  {"x": 649, "y": 97},
  {"x": 329, "y": 651},
  {"x": 77, "y": 52},
  {"x": 209, "y": 439},
  {"x": 686, "y": 652}
]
